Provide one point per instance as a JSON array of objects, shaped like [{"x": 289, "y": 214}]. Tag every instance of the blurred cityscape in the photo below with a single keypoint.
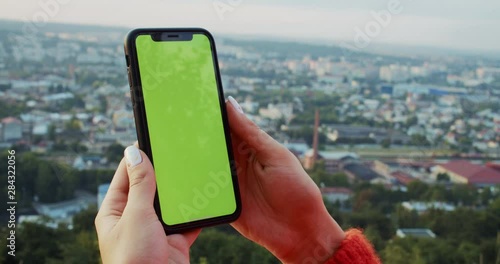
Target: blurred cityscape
[{"x": 399, "y": 145}]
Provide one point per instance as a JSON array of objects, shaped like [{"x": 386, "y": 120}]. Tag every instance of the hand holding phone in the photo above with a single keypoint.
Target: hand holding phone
[
  {"x": 283, "y": 208},
  {"x": 182, "y": 126},
  {"x": 127, "y": 226}
]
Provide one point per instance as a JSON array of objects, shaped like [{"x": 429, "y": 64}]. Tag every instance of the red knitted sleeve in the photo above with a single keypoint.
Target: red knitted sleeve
[{"x": 355, "y": 248}]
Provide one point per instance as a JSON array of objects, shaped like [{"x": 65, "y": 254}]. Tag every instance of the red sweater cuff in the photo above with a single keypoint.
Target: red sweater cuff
[{"x": 355, "y": 248}]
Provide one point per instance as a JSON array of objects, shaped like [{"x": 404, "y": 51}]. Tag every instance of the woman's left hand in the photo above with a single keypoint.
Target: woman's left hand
[{"x": 128, "y": 228}]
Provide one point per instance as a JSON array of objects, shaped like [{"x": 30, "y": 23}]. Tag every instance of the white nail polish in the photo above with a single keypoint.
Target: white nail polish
[
  {"x": 133, "y": 156},
  {"x": 235, "y": 104}
]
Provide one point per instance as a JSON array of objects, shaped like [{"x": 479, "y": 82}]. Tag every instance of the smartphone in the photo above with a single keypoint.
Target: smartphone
[{"x": 182, "y": 126}]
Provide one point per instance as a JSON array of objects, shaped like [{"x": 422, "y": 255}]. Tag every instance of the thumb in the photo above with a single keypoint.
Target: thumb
[{"x": 141, "y": 177}]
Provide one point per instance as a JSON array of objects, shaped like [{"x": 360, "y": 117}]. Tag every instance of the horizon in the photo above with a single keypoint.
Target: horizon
[
  {"x": 464, "y": 27},
  {"x": 379, "y": 48}
]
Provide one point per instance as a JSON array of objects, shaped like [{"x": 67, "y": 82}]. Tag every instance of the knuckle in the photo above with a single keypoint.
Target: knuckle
[{"x": 137, "y": 177}]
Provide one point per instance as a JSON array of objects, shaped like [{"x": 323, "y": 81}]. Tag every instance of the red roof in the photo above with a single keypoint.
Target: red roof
[
  {"x": 9, "y": 120},
  {"x": 325, "y": 190},
  {"x": 402, "y": 177},
  {"x": 495, "y": 166},
  {"x": 475, "y": 174}
]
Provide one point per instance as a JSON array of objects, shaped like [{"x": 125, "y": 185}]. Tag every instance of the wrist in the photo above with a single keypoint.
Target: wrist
[{"x": 318, "y": 241}]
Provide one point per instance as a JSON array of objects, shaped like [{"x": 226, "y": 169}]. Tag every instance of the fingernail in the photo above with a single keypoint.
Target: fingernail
[
  {"x": 235, "y": 104},
  {"x": 133, "y": 156}
]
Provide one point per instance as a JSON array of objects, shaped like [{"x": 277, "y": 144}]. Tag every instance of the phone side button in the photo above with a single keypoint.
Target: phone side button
[{"x": 129, "y": 78}]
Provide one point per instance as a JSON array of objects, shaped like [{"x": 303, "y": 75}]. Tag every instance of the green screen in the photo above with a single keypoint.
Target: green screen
[{"x": 185, "y": 129}]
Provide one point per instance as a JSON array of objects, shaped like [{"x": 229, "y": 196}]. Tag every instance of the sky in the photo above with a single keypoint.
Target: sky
[{"x": 454, "y": 24}]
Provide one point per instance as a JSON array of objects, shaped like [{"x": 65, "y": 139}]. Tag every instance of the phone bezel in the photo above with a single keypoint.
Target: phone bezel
[{"x": 143, "y": 132}]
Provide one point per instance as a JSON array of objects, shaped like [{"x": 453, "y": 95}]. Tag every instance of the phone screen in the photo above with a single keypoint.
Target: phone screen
[{"x": 185, "y": 125}]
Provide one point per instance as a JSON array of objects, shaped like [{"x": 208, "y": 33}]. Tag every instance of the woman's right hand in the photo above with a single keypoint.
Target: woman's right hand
[{"x": 282, "y": 208}]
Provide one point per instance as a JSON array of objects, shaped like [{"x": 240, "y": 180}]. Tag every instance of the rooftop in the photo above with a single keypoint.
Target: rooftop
[
  {"x": 330, "y": 155},
  {"x": 9, "y": 120},
  {"x": 424, "y": 206},
  {"x": 415, "y": 232},
  {"x": 402, "y": 177},
  {"x": 475, "y": 174},
  {"x": 361, "y": 172},
  {"x": 342, "y": 190}
]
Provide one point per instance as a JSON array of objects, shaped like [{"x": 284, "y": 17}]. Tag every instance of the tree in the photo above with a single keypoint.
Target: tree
[
  {"x": 321, "y": 177},
  {"x": 486, "y": 195},
  {"x": 374, "y": 218},
  {"x": 84, "y": 220},
  {"x": 114, "y": 152},
  {"x": 279, "y": 123},
  {"x": 90, "y": 179},
  {"x": 443, "y": 177},
  {"x": 406, "y": 218},
  {"x": 44, "y": 183},
  {"x": 76, "y": 147},
  {"x": 373, "y": 235},
  {"x": 73, "y": 126},
  {"x": 395, "y": 254},
  {"x": 214, "y": 246},
  {"x": 27, "y": 182},
  {"x": 417, "y": 189},
  {"x": 319, "y": 174},
  {"x": 419, "y": 250},
  {"x": 419, "y": 140},
  {"x": 4, "y": 257},
  {"x": 73, "y": 129},
  {"x": 464, "y": 194},
  {"x": 411, "y": 121},
  {"x": 386, "y": 143},
  {"x": 54, "y": 182},
  {"x": 306, "y": 133},
  {"x": 436, "y": 193},
  {"x": 84, "y": 249},
  {"x": 38, "y": 243},
  {"x": 340, "y": 179},
  {"x": 468, "y": 252},
  {"x": 103, "y": 104}
]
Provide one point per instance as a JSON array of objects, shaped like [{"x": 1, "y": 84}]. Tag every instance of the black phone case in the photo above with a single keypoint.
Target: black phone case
[{"x": 142, "y": 125}]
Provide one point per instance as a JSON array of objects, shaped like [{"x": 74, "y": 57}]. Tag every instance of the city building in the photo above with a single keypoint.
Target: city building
[
  {"x": 333, "y": 160},
  {"x": 277, "y": 111},
  {"x": 83, "y": 162},
  {"x": 12, "y": 129},
  {"x": 343, "y": 134},
  {"x": 297, "y": 148},
  {"x": 422, "y": 207},
  {"x": 464, "y": 172},
  {"x": 336, "y": 194},
  {"x": 63, "y": 212},
  {"x": 415, "y": 232},
  {"x": 402, "y": 89},
  {"x": 394, "y": 73},
  {"x": 358, "y": 171},
  {"x": 402, "y": 177}
]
